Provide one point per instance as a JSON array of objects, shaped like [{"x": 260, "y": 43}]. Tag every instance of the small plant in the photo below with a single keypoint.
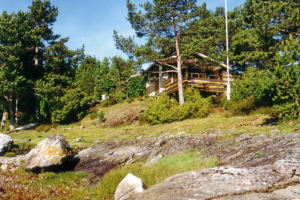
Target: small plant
[
  {"x": 43, "y": 127},
  {"x": 9, "y": 154},
  {"x": 93, "y": 115},
  {"x": 101, "y": 116},
  {"x": 259, "y": 155},
  {"x": 141, "y": 120},
  {"x": 130, "y": 100}
]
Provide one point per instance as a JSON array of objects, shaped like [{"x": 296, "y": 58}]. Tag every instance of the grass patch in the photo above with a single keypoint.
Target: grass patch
[
  {"x": 259, "y": 155},
  {"x": 23, "y": 185},
  {"x": 151, "y": 175}
]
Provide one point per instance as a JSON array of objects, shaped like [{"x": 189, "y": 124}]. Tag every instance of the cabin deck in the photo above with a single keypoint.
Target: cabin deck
[{"x": 209, "y": 84}]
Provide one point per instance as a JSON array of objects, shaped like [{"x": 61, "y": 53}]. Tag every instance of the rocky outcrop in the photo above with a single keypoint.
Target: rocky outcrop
[
  {"x": 99, "y": 159},
  {"x": 129, "y": 186},
  {"x": 277, "y": 181},
  {"x": 248, "y": 150},
  {"x": 49, "y": 155},
  {"x": 11, "y": 163},
  {"x": 5, "y": 143}
]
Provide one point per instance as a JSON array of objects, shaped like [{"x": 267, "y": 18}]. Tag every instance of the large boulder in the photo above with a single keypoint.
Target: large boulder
[
  {"x": 128, "y": 187},
  {"x": 48, "y": 155},
  {"x": 5, "y": 142}
]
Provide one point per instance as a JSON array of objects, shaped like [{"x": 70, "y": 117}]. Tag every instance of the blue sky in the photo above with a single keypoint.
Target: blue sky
[{"x": 91, "y": 22}]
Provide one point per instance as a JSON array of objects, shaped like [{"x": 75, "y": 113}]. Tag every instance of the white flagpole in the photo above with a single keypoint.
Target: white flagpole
[{"x": 228, "y": 83}]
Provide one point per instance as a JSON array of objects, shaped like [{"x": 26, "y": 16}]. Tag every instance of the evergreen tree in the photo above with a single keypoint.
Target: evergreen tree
[
  {"x": 287, "y": 80},
  {"x": 14, "y": 30},
  {"x": 120, "y": 71},
  {"x": 162, "y": 23},
  {"x": 42, "y": 16}
]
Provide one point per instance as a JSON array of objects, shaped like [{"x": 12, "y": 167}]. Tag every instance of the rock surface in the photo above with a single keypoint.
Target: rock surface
[
  {"x": 13, "y": 162},
  {"x": 262, "y": 182},
  {"x": 248, "y": 150},
  {"x": 5, "y": 142},
  {"x": 128, "y": 187},
  {"x": 99, "y": 159},
  {"x": 51, "y": 152}
]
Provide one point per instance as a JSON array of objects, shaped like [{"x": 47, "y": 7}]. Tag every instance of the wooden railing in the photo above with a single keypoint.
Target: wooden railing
[{"x": 207, "y": 83}]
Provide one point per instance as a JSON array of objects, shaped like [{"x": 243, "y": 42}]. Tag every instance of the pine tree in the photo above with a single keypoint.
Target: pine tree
[
  {"x": 42, "y": 17},
  {"x": 162, "y": 23},
  {"x": 14, "y": 30}
]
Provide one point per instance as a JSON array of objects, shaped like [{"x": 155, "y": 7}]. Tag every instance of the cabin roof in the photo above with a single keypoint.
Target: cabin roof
[{"x": 171, "y": 61}]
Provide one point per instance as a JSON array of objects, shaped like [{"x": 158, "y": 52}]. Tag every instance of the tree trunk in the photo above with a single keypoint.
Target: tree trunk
[
  {"x": 37, "y": 101},
  {"x": 179, "y": 72},
  {"x": 11, "y": 112}
]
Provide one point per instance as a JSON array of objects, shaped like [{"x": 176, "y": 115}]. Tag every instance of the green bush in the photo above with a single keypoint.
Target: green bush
[
  {"x": 101, "y": 116},
  {"x": 9, "y": 154},
  {"x": 239, "y": 107},
  {"x": 255, "y": 83},
  {"x": 116, "y": 97},
  {"x": 130, "y": 100},
  {"x": 43, "y": 127},
  {"x": 73, "y": 106},
  {"x": 136, "y": 86},
  {"x": 93, "y": 115},
  {"x": 287, "y": 80},
  {"x": 166, "y": 110}
]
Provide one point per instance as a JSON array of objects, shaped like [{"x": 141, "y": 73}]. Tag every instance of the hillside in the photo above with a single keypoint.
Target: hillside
[{"x": 240, "y": 141}]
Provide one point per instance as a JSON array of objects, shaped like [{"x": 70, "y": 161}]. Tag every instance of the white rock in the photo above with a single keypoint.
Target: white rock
[
  {"x": 129, "y": 186},
  {"x": 5, "y": 142}
]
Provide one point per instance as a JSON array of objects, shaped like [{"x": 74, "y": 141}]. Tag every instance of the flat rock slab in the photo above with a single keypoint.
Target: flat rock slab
[
  {"x": 225, "y": 183},
  {"x": 251, "y": 151}
]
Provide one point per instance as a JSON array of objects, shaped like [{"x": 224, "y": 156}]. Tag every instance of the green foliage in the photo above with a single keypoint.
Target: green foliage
[
  {"x": 256, "y": 83},
  {"x": 101, "y": 116},
  {"x": 116, "y": 97},
  {"x": 259, "y": 155},
  {"x": 239, "y": 107},
  {"x": 195, "y": 104},
  {"x": 104, "y": 86},
  {"x": 73, "y": 106},
  {"x": 130, "y": 100},
  {"x": 136, "y": 86},
  {"x": 9, "y": 154},
  {"x": 166, "y": 110},
  {"x": 287, "y": 80},
  {"x": 93, "y": 115}
]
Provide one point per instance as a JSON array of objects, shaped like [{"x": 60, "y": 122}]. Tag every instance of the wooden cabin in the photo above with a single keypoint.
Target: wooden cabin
[{"x": 206, "y": 75}]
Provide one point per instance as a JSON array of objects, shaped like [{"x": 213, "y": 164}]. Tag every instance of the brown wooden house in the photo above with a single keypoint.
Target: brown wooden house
[{"x": 206, "y": 75}]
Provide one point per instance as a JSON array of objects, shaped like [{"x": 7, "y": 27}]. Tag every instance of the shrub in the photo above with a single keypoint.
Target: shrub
[
  {"x": 141, "y": 120},
  {"x": 256, "y": 83},
  {"x": 287, "y": 80},
  {"x": 93, "y": 115},
  {"x": 101, "y": 116},
  {"x": 73, "y": 106},
  {"x": 130, "y": 100},
  {"x": 136, "y": 86},
  {"x": 239, "y": 107},
  {"x": 165, "y": 110},
  {"x": 43, "y": 127},
  {"x": 9, "y": 154},
  {"x": 115, "y": 98}
]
